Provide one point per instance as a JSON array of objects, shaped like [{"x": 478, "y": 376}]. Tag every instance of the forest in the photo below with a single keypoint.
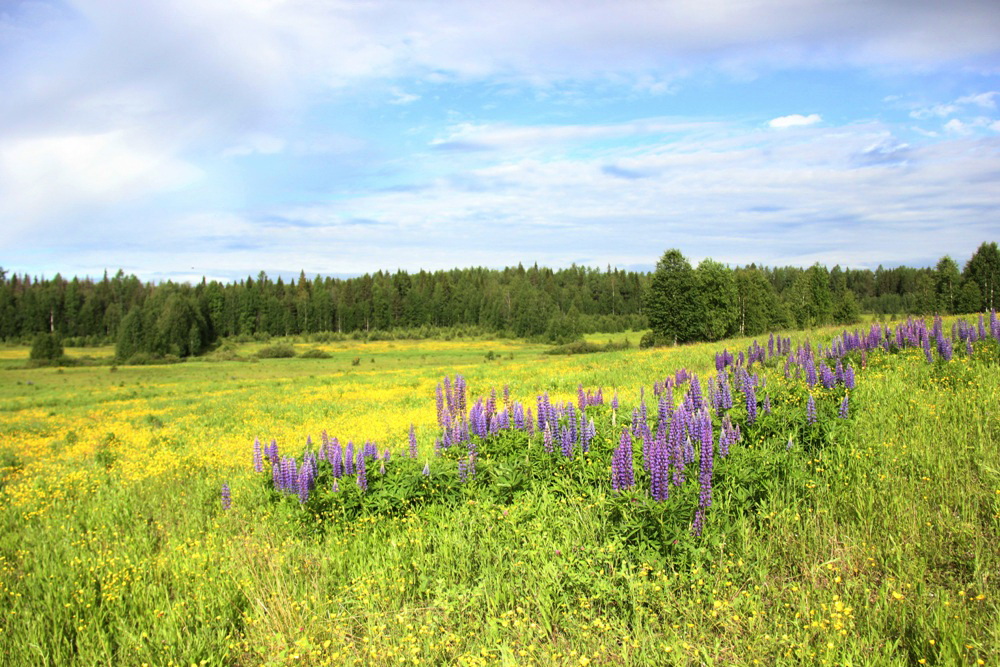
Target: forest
[{"x": 551, "y": 304}]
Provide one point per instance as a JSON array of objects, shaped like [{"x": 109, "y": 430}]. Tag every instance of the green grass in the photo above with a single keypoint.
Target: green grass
[{"x": 875, "y": 546}]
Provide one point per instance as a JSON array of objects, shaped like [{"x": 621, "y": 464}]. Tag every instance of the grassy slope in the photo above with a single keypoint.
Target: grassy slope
[{"x": 878, "y": 549}]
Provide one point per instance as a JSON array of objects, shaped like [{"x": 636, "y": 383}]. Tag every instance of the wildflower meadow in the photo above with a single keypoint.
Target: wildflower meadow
[{"x": 821, "y": 497}]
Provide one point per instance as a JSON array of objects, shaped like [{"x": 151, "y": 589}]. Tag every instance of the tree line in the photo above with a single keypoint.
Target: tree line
[{"x": 712, "y": 300}]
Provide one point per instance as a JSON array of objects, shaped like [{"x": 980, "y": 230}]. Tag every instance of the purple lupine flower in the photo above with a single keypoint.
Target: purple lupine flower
[
  {"x": 587, "y": 434},
  {"x": 751, "y": 396},
  {"x": 304, "y": 483},
  {"x": 271, "y": 452},
  {"x": 767, "y": 404},
  {"x": 810, "y": 366},
  {"x": 927, "y": 350},
  {"x": 697, "y": 402},
  {"x": 362, "y": 473},
  {"x": 705, "y": 469},
  {"x": 567, "y": 443},
  {"x": 289, "y": 475},
  {"x": 581, "y": 397},
  {"x": 227, "y": 499},
  {"x": 427, "y": 469},
  {"x": 614, "y": 401},
  {"x": 659, "y": 468},
  {"x": 843, "y": 407},
  {"x": 541, "y": 402},
  {"x": 675, "y": 446},
  {"x": 258, "y": 460},
  {"x": 664, "y": 410},
  {"x": 968, "y": 346},
  {"x": 335, "y": 487},
  {"x": 811, "y": 410},
  {"x": 622, "y": 474},
  {"x": 547, "y": 439},
  {"x": 277, "y": 479},
  {"x": 413, "y": 442},
  {"x": 944, "y": 349},
  {"x": 335, "y": 456},
  {"x": 726, "y": 436},
  {"x": 571, "y": 421},
  {"x": 439, "y": 399},
  {"x": 827, "y": 378},
  {"x": 349, "y": 458},
  {"x": 459, "y": 390},
  {"x": 725, "y": 393},
  {"x": 849, "y": 377},
  {"x": 386, "y": 455}
]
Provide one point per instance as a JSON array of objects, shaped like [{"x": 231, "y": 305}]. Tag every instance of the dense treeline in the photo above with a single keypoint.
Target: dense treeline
[
  {"x": 712, "y": 301},
  {"x": 185, "y": 319}
]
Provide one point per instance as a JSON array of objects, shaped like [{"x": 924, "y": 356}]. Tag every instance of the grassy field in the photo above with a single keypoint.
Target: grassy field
[{"x": 870, "y": 539}]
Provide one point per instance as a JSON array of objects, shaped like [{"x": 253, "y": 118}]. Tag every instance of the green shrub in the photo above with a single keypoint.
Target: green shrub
[
  {"x": 315, "y": 353},
  {"x": 648, "y": 340},
  {"x": 46, "y": 347},
  {"x": 277, "y": 351}
]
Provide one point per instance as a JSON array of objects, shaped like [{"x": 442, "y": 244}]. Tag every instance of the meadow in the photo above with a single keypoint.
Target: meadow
[{"x": 853, "y": 520}]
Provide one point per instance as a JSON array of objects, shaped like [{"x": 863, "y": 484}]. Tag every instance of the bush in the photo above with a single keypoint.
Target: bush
[
  {"x": 228, "y": 351},
  {"x": 586, "y": 347},
  {"x": 315, "y": 353},
  {"x": 277, "y": 351},
  {"x": 46, "y": 347},
  {"x": 147, "y": 359},
  {"x": 648, "y": 340}
]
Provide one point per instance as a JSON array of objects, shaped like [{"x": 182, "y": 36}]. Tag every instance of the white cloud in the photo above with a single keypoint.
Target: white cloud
[
  {"x": 984, "y": 100},
  {"x": 795, "y": 120},
  {"x": 936, "y": 111},
  {"x": 402, "y": 97},
  {"x": 42, "y": 178},
  {"x": 493, "y": 136},
  {"x": 262, "y": 144}
]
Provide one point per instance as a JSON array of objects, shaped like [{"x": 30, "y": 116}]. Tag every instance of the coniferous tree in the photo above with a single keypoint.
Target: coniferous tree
[{"x": 984, "y": 268}]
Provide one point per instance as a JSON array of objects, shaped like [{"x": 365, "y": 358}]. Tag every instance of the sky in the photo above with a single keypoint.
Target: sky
[{"x": 176, "y": 140}]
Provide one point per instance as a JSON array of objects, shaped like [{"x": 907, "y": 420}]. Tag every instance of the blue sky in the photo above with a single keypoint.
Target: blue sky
[{"x": 217, "y": 138}]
